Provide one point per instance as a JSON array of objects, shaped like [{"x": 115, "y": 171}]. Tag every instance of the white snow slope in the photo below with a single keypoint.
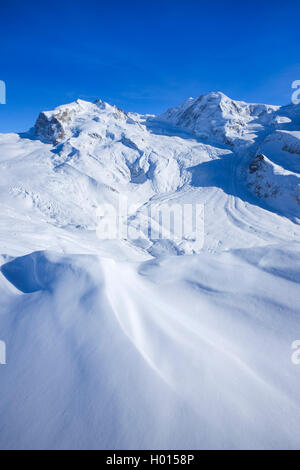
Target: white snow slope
[{"x": 139, "y": 342}]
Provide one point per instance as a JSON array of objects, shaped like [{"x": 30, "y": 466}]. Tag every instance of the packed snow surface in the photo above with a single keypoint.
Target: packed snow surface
[{"x": 138, "y": 341}]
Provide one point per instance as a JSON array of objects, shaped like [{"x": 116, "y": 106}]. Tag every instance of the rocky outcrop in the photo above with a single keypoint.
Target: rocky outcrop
[
  {"x": 256, "y": 164},
  {"x": 273, "y": 183},
  {"x": 49, "y": 129}
]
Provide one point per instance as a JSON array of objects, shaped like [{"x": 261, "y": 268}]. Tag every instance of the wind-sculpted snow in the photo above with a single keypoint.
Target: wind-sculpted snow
[
  {"x": 166, "y": 354},
  {"x": 134, "y": 342}
]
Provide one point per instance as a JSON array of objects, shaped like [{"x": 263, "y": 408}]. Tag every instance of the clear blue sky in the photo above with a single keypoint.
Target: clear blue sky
[{"x": 144, "y": 55}]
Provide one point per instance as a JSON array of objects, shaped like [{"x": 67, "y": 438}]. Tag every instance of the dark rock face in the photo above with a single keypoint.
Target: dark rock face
[
  {"x": 49, "y": 130},
  {"x": 261, "y": 183},
  {"x": 256, "y": 163}
]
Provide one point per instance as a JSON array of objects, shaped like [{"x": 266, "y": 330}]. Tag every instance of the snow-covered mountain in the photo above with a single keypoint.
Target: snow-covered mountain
[
  {"x": 251, "y": 130},
  {"x": 117, "y": 343},
  {"x": 274, "y": 173},
  {"x": 215, "y": 116}
]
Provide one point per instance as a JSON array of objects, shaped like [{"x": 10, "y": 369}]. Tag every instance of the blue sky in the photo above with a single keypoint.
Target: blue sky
[{"x": 144, "y": 56}]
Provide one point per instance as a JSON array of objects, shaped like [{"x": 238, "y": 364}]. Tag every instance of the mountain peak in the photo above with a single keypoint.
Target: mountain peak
[
  {"x": 217, "y": 117},
  {"x": 214, "y": 95},
  {"x": 54, "y": 126}
]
